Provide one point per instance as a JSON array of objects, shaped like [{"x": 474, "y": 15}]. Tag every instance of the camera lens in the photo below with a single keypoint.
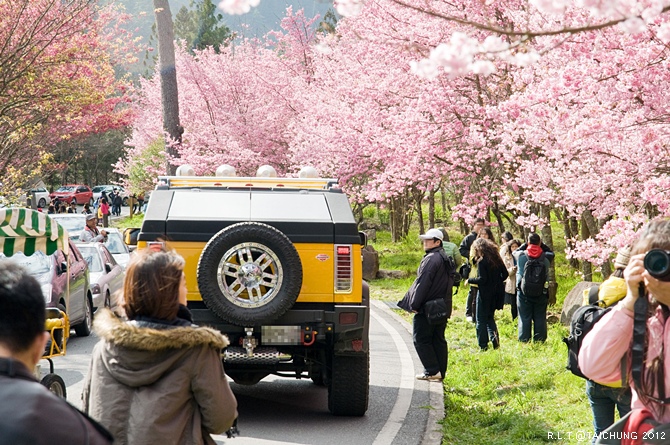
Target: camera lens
[{"x": 657, "y": 263}]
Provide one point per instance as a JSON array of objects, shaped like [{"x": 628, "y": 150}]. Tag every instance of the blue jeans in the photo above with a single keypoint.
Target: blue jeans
[
  {"x": 486, "y": 325},
  {"x": 532, "y": 314},
  {"x": 603, "y": 399},
  {"x": 430, "y": 345}
]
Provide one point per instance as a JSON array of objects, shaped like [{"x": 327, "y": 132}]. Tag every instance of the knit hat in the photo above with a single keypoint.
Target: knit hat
[
  {"x": 90, "y": 216},
  {"x": 622, "y": 258}
]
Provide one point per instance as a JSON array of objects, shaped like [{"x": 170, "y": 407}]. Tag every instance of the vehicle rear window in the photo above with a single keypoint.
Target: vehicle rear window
[{"x": 246, "y": 206}]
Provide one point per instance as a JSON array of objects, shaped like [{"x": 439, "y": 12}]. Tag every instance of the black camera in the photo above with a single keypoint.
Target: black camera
[{"x": 657, "y": 263}]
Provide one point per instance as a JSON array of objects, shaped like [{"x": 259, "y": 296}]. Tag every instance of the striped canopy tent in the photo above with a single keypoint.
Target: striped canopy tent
[{"x": 30, "y": 231}]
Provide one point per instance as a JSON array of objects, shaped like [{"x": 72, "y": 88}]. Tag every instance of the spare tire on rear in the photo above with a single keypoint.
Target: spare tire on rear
[{"x": 249, "y": 273}]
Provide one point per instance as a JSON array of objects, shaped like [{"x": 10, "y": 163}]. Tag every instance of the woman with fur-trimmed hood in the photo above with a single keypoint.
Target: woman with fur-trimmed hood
[{"x": 157, "y": 378}]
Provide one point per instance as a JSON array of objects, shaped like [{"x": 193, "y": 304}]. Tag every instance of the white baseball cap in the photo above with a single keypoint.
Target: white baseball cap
[{"x": 432, "y": 233}]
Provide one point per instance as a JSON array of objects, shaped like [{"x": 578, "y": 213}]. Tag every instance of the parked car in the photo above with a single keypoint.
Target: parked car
[
  {"x": 51, "y": 272},
  {"x": 41, "y": 196},
  {"x": 106, "y": 275},
  {"x": 98, "y": 189},
  {"x": 74, "y": 223},
  {"x": 80, "y": 194},
  {"x": 117, "y": 247}
]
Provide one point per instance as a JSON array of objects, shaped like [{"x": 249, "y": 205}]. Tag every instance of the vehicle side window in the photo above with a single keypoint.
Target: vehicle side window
[
  {"x": 109, "y": 258},
  {"x": 73, "y": 257},
  {"x": 81, "y": 189}
]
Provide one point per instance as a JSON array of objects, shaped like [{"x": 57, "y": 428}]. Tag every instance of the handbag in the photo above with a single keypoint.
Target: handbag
[{"x": 436, "y": 311}]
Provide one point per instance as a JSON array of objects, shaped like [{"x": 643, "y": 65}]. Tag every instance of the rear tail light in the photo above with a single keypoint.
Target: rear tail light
[{"x": 343, "y": 268}]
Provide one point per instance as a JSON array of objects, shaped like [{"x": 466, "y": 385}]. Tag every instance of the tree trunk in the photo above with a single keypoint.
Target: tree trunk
[
  {"x": 496, "y": 212},
  {"x": 396, "y": 217},
  {"x": 443, "y": 195},
  {"x": 431, "y": 208},
  {"x": 417, "y": 197},
  {"x": 587, "y": 270},
  {"x": 548, "y": 238},
  {"x": 168, "y": 73},
  {"x": 594, "y": 229},
  {"x": 571, "y": 229}
]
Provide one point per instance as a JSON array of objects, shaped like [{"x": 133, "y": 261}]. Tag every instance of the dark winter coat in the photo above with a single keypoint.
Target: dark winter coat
[
  {"x": 432, "y": 282},
  {"x": 154, "y": 383},
  {"x": 466, "y": 244},
  {"x": 491, "y": 282},
  {"x": 31, "y": 415}
]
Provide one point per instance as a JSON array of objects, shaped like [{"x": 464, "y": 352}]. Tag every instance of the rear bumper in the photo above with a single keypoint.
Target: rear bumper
[{"x": 344, "y": 328}]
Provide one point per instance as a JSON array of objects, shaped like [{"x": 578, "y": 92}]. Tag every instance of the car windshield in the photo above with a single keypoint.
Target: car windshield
[
  {"x": 91, "y": 256},
  {"x": 115, "y": 244},
  {"x": 66, "y": 189},
  {"x": 36, "y": 264},
  {"x": 71, "y": 224},
  {"x": 98, "y": 188}
]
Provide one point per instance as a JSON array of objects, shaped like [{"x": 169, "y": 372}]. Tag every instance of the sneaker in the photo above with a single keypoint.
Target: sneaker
[
  {"x": 431, "y": 378},
  {"x": 469, "y": 318}
]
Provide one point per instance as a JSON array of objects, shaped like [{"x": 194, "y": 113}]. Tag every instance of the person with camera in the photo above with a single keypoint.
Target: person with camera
[
  {"x": 466, "y": 270},
  {"x": 632, "y": 341},
  {"x": 433, "y": 281},
  {"x": 91, "y": 234}
]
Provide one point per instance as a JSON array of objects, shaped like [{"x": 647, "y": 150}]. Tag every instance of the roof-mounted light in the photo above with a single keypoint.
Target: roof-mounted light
[
  {"x": 266, "y": 171},
  {"x": 226, "y": 171},
  {"x": 308, "y": 172},
  {"x": 185, "y": 170}
]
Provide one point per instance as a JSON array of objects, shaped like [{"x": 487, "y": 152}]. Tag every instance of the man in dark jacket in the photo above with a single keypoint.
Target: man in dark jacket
[
  {"x": 432, "y": 282},
  {"x": 464, "y": 249},
  {"x": 29, "y": 413}
]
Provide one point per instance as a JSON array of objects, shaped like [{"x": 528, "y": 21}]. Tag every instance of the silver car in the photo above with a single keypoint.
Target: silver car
[
  {"x": 116, "y": 246},
  {"x": 106, "y": 275}
]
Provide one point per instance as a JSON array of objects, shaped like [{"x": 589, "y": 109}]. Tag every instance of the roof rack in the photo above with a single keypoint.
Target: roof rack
[{"x": 171, "y": 182}]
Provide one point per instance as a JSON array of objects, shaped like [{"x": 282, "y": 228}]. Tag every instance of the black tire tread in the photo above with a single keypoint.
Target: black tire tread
[
  {"x": 83, "y": 329},
  {"x": 50, "y": 379},
  {"x": 348, "y": 392}
]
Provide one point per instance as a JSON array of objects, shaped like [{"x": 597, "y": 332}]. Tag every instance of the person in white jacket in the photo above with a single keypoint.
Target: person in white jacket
[{"x": 91, "y": 234}]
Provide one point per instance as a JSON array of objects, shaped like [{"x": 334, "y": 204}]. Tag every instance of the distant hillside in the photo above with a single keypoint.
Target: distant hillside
[
  {"x": 267, "y": 16},
  {"x": 258, "y": 22}
]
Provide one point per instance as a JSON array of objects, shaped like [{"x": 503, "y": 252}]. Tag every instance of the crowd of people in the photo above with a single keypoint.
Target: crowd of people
[
  {"x": 142, "y": 382},
  {"x": 105, "y": 205},
  {"x": 624, "y": 356},
  {"x": 154, "y": 376}
]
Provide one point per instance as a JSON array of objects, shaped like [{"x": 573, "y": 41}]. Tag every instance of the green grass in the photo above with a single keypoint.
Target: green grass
[
  {"x": 519, "y": 394},
  {"x": 134, "y": 221}
]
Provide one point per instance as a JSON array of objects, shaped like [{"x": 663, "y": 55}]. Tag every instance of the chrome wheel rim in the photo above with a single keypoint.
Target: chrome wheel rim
[{"x": 249, "y": 275}]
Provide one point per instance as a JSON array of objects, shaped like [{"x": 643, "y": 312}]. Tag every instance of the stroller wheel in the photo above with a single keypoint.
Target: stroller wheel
[{"x": 55, "y": 384}]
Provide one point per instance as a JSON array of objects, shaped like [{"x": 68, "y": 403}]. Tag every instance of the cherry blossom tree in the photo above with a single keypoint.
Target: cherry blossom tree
[
  {"x": 57, "y": 78},
  {"x": 521, "y": 111}
]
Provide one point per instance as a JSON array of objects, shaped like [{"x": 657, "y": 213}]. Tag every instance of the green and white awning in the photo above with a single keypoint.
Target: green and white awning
[{"x": 30, "y": 231}]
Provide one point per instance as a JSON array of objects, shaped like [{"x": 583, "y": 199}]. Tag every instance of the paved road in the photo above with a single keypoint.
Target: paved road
[{"x": 287, "y": 411}]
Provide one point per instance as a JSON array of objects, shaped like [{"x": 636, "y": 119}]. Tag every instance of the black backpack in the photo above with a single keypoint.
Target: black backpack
[
  {"x": 581, "y": 324},
  {"x": 534, "y": 277}
]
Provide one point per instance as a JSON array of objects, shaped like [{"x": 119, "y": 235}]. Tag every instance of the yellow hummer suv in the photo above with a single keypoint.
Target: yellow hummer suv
[{"x": 275, "y": 264}]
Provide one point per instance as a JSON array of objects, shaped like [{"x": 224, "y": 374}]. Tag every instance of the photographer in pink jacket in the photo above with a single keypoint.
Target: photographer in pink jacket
[{"x": 632, "y": 342}]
